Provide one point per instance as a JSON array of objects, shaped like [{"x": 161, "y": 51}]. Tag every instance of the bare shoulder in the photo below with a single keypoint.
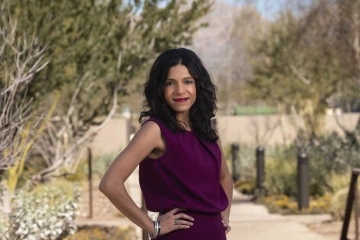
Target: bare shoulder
[
  {"x": 150, "y": 127},
  {"x": 149, "y": 131},
  {"x": 146, "y": 139}
]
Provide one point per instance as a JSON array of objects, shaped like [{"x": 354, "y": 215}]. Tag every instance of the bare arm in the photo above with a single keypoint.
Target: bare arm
[
  {"x": 112, "y": 183},
  {"x": 227, "y": 183}
]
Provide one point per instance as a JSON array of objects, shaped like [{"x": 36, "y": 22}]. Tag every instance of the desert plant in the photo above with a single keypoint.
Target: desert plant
[
  {"x": 329, "y": 154},
  {"x": 21, "y": 59},
  {"x": 245, "y": 167},
  {"x": 47, "y": 212},
  {"x": 339, "y": 181},
  {"x": 102, "y": 162},
  {"x": 25, "y": 140},
  {"x": 280, "y": 176},
  {"x": 338, "y": 203}
]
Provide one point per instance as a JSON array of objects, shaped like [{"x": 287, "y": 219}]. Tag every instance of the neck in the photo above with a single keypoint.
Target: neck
[{"x": 184, "y": 117}]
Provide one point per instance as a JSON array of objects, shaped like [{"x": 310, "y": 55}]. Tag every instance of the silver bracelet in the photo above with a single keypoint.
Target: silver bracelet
[{"x": 157, "y": 230}]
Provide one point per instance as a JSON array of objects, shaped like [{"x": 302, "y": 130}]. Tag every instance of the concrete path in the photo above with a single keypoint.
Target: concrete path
[{"x": 251, "y": 221}]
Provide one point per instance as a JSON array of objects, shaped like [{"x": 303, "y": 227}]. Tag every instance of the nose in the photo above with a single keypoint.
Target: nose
[{"x": 180, "y": 88}]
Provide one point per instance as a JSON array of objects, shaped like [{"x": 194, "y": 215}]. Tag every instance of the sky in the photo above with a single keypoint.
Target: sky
[{"x": 268, "y": 8}]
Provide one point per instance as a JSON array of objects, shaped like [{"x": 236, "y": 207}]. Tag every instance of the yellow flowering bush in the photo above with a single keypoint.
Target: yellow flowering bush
[
  {"x": 245, "y": 187},
  {"x": 286, "y": 205},
  {"x": 102, "y": 233}
]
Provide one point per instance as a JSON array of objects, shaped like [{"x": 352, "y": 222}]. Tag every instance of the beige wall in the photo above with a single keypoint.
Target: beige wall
[
  {"x": 264, "y": 130},
  {"x": 112, "y": 138},
  {"x": 273, "y": 129}
]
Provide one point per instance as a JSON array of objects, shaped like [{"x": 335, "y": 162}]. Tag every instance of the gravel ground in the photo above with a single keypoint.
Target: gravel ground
[{"x": 332, "y": 230}]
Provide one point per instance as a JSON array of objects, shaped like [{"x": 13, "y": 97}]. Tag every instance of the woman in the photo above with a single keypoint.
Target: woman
[{"x": 182, "y": 171}]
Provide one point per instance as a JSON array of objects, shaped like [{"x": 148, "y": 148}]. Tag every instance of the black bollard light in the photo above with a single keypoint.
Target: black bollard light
[
  {"x": 303, "y": 181},
  {"x": 234, "y": 160},
  {"x": 260, "y": 169}
]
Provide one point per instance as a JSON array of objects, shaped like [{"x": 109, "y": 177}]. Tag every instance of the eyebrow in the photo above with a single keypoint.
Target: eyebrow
[{"x": 182, "y": 79}]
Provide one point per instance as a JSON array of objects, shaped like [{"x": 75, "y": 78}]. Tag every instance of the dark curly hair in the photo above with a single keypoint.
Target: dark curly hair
[{"x": 201, "y": 111}]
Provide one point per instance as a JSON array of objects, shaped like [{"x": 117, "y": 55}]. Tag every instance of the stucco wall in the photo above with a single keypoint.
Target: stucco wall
[
  {"x": 265, "y": 130},
  {"x": 273, "y": 129},
  {"x": 112, "y": 138}
]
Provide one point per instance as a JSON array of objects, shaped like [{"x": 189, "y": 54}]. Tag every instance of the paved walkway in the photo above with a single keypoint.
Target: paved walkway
[{"x": 251, "y": 221}]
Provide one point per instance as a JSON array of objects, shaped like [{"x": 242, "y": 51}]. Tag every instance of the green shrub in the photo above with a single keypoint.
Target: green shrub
[
  {"x": 329, "y": 154},
  {"x": 339, "y": 181},
  {"x": 338, "y": 204},
  {"x": 67, "y": 189},
  {"x": 102, "y": 162},
  {"x": 245, "y": 167},
  {"x": 280, "y": 170},
  {"x": 47, "y": 212},
  {"x": 280, "y": 178},
  {"x": 81, "y": 172},
  {"x": 328, "y": 165},
  {"x": 99, "y": 165}
]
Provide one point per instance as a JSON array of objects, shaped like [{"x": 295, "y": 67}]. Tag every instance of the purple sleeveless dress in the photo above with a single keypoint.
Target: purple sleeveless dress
[{"x": 186, "y": 176}]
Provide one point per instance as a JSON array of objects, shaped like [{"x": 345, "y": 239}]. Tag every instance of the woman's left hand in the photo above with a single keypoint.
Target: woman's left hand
[{"x": 225, "y": 220}]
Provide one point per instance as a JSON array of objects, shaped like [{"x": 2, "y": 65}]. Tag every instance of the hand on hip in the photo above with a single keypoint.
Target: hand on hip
[{"x": 171, "y": 221}]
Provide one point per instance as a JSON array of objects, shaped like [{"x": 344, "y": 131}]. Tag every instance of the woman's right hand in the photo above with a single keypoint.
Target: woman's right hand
[{"x": 167, "y": 221}]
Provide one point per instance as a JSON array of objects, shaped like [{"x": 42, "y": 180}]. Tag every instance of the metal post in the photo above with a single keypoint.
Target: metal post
[
  {"x": 356, "y": 206},
  {"x": 235, "y": 160},
  {"x": 90, "y": 183},
  {"x": 260, "y": 169},
  {"x": 143, "y": 208},
  {"x": 349, "y": 203},
  {"x": 303, "y": 181}
]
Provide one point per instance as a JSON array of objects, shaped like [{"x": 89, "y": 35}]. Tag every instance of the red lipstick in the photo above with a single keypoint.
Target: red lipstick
[{"x": 180, "y": 99}]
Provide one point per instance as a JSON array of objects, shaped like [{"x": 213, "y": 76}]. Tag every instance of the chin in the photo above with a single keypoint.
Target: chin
[{"x": 181, "y": 110}]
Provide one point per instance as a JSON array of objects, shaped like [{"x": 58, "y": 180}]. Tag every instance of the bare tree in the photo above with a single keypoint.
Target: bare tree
[
  {"x": 264, "y": 128},
  {"x": 20, "y": 61},
  {"x": 247, "y": 25},
  {"x": 60, "y": 148}
]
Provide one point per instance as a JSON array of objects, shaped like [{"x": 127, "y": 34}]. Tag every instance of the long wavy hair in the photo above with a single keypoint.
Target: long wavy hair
[{"x": 201, "y": 111}]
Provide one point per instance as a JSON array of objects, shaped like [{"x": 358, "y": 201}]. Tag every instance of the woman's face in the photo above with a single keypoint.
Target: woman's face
[{"x": 180, "y": 89}]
